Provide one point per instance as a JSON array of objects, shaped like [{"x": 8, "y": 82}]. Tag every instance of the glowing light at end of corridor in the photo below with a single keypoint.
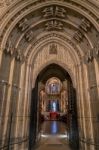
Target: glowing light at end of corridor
[{"x": 60, "y": 135}]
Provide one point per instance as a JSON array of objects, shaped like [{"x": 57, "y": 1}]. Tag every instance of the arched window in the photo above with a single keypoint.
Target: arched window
[{"x": 53, "y": 86}]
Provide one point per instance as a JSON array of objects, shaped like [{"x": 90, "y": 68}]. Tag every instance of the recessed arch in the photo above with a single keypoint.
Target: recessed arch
[{"x": 45, "y": 40}]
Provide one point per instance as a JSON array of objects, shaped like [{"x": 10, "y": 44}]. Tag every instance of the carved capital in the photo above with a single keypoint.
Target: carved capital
[
  {"x": 16, "y": 87},
  {"x": 3, "y": 82}
]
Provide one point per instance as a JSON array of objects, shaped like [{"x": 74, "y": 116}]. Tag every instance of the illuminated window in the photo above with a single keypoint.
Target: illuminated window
[
  {"x": 53, "y": 86},
  {"x": 53, "y": 105}
]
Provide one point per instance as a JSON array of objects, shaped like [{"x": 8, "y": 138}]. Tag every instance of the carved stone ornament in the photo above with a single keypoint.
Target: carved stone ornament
[
  {"x": 19, "y": 56},
  {"x": 85, "y": 25},
  {"x": 54, "y": 11},
  {"x": 9, "y": 49},
  {"x": 53, "y": 48},
  {"x": 4, "y": 82},
  {"x": 54, "y": 24},
  {"x": 23, "y": 24},
  {"x": 89, "y": 56},
  {"x": 29, "y": 36},
  {"x": 78, "y": 36},
  {"x": 96, "y": 49}
]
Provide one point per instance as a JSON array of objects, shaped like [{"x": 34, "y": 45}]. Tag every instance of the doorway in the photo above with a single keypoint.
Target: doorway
[{"x": 53, "y": 106}]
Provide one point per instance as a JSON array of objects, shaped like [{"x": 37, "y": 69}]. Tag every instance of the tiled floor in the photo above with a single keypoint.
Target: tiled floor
[{"x": 53, "y": 136}]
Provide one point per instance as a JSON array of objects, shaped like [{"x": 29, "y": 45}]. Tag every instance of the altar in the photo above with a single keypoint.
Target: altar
[{"x": 54, "y": 115}]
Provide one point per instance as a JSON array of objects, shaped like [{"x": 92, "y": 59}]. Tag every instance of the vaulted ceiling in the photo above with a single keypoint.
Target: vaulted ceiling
[{"x": 24, "y": 24}]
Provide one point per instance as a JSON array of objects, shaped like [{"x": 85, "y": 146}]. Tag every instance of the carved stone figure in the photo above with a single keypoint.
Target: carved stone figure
[
  {"x": 89, "y": 56},
  {"x": 85, "y": 25},
  {"x": 96, "y": 49},
  {"x": 54, "y": 12},
  {"x": 60, "y": 12},
  {"x": 53, "y": 49},
  {"x": 18, "y": 55},
  {"x": 29, "y": 35},
  {"x": 9, "y": 48},
  {"x": 23, "y": 24},
  {"x": 48, "y": 12},
  {"x": 54, "y": 24},
  {"x": 78, "y": 36}
]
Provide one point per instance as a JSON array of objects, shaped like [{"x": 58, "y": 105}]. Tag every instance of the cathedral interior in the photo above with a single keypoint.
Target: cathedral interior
[{"x": 49, "y": 74}]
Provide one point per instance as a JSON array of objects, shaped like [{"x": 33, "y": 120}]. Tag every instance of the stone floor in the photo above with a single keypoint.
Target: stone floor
[
  {"x": 53, "y": 143},
  {"x": 53, "y": 137}
]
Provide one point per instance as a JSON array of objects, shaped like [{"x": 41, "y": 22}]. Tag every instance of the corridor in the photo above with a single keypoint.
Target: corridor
[
  {"x": 49, "y": 74},
  {"x": 54, "y": 136}
]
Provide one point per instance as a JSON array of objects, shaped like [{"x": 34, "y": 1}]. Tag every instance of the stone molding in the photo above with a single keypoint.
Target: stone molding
[
  {"x": 14, "y": 53},
  {"x": 73, "y": 3},
  {"x": 92, "y": 53},
  {"x": 89, "y": 141},
  {"x": 3, "y": 82},
  {"x": 59, "y": 11},
  {"x": 53, "y": 34},
  {"x": 83, "y": 28}
]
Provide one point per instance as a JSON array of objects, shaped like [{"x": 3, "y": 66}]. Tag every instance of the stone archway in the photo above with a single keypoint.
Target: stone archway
[
  {"x": 25, "y": 39},
  {"x": 54, "y": 70}
]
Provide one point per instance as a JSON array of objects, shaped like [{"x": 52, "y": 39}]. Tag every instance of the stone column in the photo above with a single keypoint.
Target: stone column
[
  {"x": 96, "y": 63},
  {"x": 6, "y": 109},
  {"x": 94, "y": 92},
  {"x": 22, "y": 118},
  {"x": 94, "y": 98},
  {"x": 80, "y": 105},
  {"x": 87, "y": 110},
  {"x": 1, "y": 53},
  {"x": 93, "y": 109},
  {"x": 3, "y": 91},
  {"x": 14, "y": 98},
  {"x": 26, "y": 103},
  {"x": 18, "y": 134}
]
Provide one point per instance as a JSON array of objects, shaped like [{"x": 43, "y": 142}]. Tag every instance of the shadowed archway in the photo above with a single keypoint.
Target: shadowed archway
[{"x": 54, "y": 70}]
